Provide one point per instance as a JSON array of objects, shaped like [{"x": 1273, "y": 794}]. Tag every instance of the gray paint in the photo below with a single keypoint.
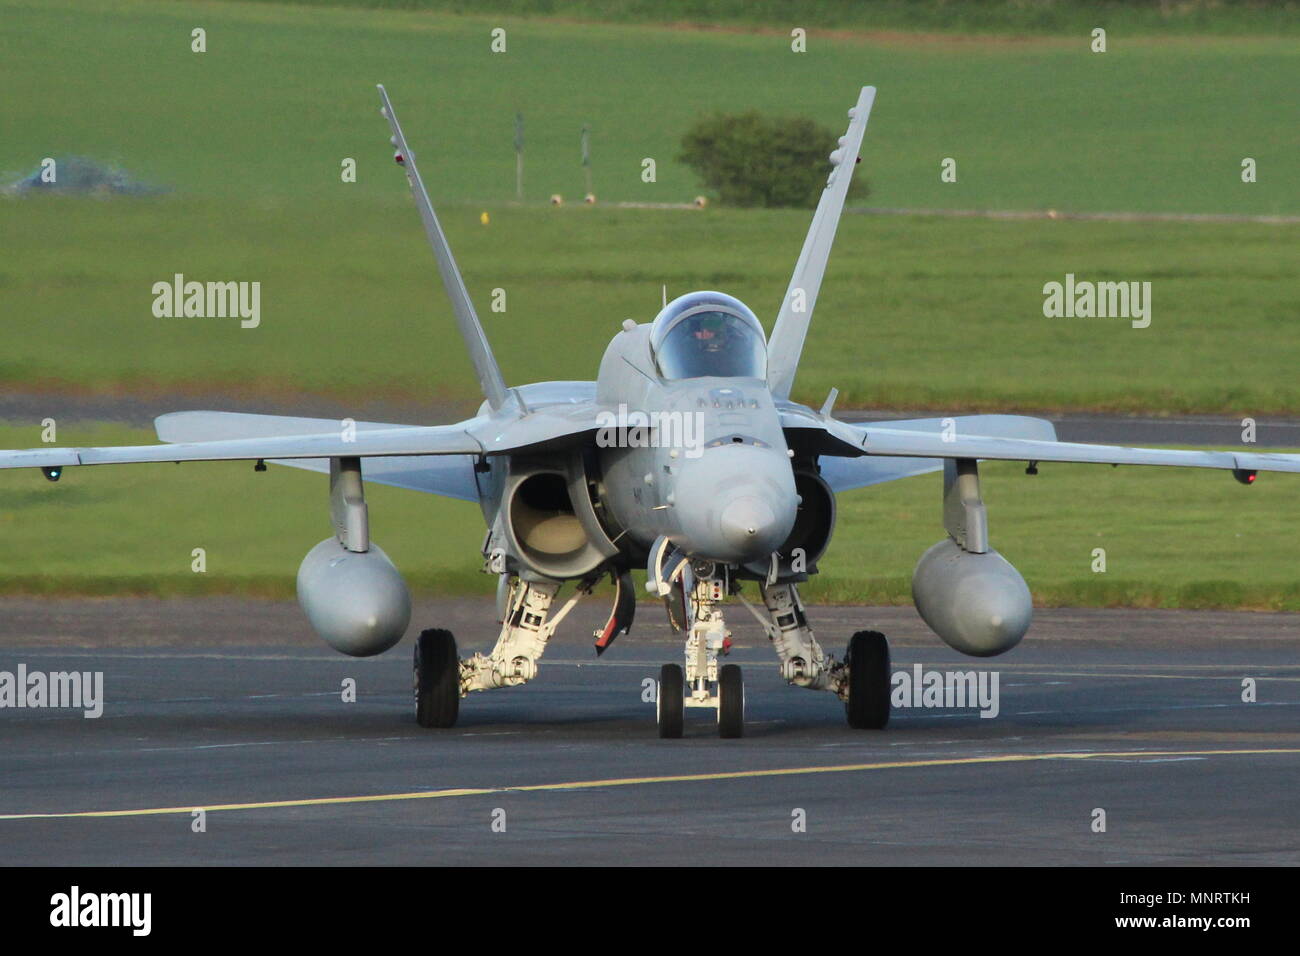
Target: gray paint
[
  {"x": 978, "y": 603},
  {"x": 357, "y": 602}
]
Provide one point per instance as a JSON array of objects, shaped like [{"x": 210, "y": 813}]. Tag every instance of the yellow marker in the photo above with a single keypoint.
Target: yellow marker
[
  {"x": 675, "y": 778},
  {"x": 483, "y": 217}
]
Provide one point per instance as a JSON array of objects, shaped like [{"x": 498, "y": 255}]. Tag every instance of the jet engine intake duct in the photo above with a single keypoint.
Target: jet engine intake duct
[
  {"x": 550, "y": 523},
  {"x": 814, "y": 523}
]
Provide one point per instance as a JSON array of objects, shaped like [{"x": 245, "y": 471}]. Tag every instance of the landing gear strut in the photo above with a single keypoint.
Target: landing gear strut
[
  {"x": 441, "y": 679},
  {"x": 861, "y": 680}
]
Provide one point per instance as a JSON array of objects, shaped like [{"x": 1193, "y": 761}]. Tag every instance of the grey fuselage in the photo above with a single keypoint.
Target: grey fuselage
[{"x": 714, "y": 476}]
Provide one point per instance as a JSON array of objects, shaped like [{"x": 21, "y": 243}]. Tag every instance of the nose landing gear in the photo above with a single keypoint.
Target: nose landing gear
[{"x": 709, "y": 684}]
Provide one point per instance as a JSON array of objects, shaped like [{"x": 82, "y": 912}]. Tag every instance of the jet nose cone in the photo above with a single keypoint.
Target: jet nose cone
[
  {"x": 749, "y": 526},
  {"x": 736, "y": 504}
]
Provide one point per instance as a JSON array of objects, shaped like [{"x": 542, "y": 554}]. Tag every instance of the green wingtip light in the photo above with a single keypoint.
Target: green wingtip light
[{"x": 53, "y": 474}]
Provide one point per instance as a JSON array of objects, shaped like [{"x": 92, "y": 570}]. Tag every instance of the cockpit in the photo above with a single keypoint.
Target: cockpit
[{"x": 706, "y": 334}]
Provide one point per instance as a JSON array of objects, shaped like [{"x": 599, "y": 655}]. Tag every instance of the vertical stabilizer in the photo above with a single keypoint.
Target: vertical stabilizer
[
  {"x": 801, "y": 297},
  {"x": 480, "y": 352}
]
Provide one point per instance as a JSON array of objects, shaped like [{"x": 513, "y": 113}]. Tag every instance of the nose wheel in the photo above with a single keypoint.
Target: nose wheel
[
  {"x": 728, "y": 700},
  {"x": 731, "y": 701},
  {"x": 670, "y": 701}
]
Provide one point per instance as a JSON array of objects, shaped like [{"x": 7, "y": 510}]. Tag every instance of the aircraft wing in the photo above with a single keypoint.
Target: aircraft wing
[
  {"x": 907, "y": 441},
  {"x": 451, "y": 476},
  {"x": 410, "y": 440},
  {"x": 877, "y": 440},
  {"x": 845, "y": 473},
  {"x": 844, "y": 465},
  {"x": 225, "y": 436}
]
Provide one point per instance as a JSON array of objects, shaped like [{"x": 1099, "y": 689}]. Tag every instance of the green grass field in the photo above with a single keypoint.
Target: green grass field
[
  {"x": 284, "y": 93},
  {"x": 1172, "y": 537},
  {"x": 953, "y": 17},
  {"x": 250, "y": 136},
  {"x": 916, "y": 312}
]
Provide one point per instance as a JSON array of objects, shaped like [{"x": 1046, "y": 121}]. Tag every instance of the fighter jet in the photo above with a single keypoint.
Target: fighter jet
[{"x": 686, "y": 457}]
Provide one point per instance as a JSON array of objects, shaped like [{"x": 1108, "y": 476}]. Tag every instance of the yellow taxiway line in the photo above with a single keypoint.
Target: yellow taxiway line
[{"x": 642, "y": 781}]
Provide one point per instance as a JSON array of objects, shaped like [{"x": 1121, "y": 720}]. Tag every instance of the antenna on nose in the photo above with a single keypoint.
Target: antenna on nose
[{"x": 664, "y": 287}]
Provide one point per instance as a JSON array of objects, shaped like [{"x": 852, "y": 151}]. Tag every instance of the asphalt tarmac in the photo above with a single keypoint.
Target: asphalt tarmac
[{"x": 233, "y": 707}]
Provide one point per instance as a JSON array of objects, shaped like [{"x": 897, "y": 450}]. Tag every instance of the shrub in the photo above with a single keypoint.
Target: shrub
[{"x": 750, "y": 160}]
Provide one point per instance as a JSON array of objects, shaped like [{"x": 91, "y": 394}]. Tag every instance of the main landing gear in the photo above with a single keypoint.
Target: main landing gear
[
  {"x": 861, "y": 680},
  {"x": 441, "y": 679}
]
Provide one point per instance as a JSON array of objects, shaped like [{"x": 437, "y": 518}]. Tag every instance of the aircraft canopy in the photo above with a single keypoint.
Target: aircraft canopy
[{"x": 706, "y": 334}]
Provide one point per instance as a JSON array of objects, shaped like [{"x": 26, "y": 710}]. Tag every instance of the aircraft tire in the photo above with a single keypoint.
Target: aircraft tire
[
  {"x": 436, "y": 679},
  {"x": 731, "y": 702},
  {"x": 868, "y": 661},
  {"x": 670, "y": 701}
]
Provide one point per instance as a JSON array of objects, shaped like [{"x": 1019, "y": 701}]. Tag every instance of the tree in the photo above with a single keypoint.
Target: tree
[{"x": 750, "y": 160}]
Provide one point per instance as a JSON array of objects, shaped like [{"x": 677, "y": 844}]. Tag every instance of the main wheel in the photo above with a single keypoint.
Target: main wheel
[
  {"x": 436, "y": 679},
  {"x": 670, "y": 700},
  {"x": 731, "y": 701},
  {"x": 868, "y": 660}
]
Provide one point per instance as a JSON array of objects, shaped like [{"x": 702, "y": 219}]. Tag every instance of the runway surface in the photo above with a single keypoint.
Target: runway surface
[{"x": 231, "y": 705}]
